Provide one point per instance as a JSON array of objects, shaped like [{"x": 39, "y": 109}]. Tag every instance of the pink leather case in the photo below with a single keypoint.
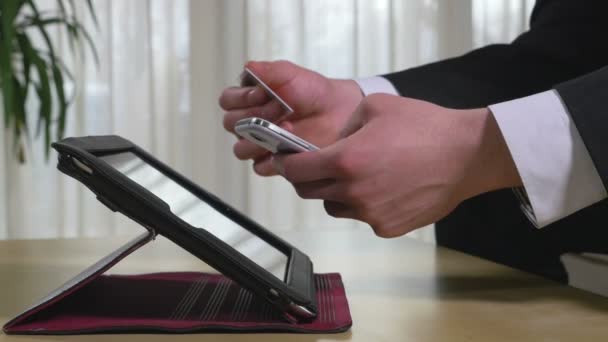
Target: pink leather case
[{"x": 176, "y": 302}]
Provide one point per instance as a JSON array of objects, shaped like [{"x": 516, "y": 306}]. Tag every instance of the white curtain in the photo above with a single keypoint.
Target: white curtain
[{"x": 164, "y": 63}]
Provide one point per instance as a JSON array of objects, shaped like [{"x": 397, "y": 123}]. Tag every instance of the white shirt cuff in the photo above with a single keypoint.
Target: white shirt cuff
[
  {"x": 556, "y": 169},
  {"x": 376, "y": 84}
]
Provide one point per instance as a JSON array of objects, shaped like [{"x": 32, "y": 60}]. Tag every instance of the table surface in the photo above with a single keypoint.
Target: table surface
[{"x": 398, "y": 290}]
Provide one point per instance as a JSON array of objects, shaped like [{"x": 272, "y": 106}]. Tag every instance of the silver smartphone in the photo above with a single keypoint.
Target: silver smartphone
[
  {"x": 264, "y": 133},
  {"x": 271, "y": 137}
]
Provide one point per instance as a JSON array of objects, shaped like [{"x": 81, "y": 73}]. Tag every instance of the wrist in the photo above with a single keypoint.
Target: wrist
[{"x": 490, "y": 166}]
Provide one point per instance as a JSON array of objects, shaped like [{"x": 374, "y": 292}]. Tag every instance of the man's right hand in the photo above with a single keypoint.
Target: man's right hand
[{"x": 321, "y": 105}]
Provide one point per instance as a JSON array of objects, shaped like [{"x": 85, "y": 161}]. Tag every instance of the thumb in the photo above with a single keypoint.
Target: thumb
[
  {"x": 275, "y": 74},
  {"x": 303, "y": 89},
  {"x": 356, "y": 121},
  {"x": 370, "y": 107}
]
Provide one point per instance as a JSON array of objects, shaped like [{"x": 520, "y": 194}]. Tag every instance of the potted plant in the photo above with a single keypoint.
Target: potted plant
[{"x": 29, "y": 70}]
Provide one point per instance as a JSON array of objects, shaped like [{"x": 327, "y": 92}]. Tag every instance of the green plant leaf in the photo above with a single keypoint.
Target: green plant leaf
[
  {"x": 7, "y": 87},
  {"x": 9, "y": 12},
  {"x": 20, "y": 102},
  {"x": 92, "y": 12},
  {"x": 43, "y": 89},
  {"x": 74, "y": 29},
  {"x": 37, "y": 21},
  {"x": 72, "y": 6},
  {"x": 78, "y": 26},
  {"x": 77, "y": 31},
  {"x": 63, "y": 103},
  {"x": 24, "y": 45},
  {"x": 65, "y": 14},
  {"x": 59, "y": 86},
  {"x": 62, "y": 9},
  {"x": 44, "y": 92},
  {"x": 59, "y": 62},
  {"x": 23, "y": 65},
  {"x": 30, "y": 21},
  {"x": 71, "y": 41}
]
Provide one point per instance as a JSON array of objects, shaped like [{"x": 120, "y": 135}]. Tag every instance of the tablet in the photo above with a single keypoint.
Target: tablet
[{"x": 131, "y": 181}]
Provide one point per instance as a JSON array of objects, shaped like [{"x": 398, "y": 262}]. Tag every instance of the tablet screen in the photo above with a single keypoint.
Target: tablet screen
[{"x": 198, "y": 213}]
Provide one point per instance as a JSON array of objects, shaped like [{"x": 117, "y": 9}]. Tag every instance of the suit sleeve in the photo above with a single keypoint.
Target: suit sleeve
[
  {"x": 556, "y": 169},
  {"x": 586, "y": 98},
  {"x": 565, "y": 41}
]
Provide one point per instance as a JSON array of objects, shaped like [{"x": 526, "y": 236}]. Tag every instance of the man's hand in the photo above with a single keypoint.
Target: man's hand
[
  {"x": 403, "y": 164},
  {"x": 321, "y": 107}
]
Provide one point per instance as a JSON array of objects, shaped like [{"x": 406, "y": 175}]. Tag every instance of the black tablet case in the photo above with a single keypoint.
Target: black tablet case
[{"x": 121, "y": 194}]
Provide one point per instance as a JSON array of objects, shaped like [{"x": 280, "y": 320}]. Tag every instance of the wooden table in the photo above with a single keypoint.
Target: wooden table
[{"x": 399, "y": 290}]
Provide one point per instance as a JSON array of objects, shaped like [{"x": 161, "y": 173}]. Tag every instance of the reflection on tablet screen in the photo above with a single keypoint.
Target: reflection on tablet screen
[{"x": 198, "y": 213}]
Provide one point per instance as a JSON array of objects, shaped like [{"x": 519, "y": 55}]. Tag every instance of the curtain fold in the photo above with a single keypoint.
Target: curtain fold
[{"x": 164, "y": 63}]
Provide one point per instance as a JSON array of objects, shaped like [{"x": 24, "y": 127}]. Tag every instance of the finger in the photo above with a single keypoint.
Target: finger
[
  {"x": 245, "y": 149},
  {"x": 340, "y": 210},
  {"x": 321, "y": 189},
  {"x": 270, "y": 111},
  {"x": 354, "y": 123},
  {"x": 242, "y": 97},
  {"x": 274, "y": 74},
  {"x": 304, "y": 166},
  {"x": 286, "y": 125},
  {"x": 263, "y": 167},
  {"x": 299, "y": 87}
]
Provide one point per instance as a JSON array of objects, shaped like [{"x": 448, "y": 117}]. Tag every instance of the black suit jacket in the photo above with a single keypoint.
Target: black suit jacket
[{"x": 567, "y": 39}]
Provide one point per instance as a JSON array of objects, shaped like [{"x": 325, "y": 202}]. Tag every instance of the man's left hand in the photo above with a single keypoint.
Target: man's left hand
[{"x": 403, "y": 163}]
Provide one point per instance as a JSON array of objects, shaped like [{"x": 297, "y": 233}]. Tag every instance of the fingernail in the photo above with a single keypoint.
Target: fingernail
[{"x": 255, "y": 95}]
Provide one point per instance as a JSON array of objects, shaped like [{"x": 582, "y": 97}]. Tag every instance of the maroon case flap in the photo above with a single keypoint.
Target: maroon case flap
[
  {"x": 82, "y": 279},
  {"x": 170, "y": 302},
  {"x": 180, "y": 302}
]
